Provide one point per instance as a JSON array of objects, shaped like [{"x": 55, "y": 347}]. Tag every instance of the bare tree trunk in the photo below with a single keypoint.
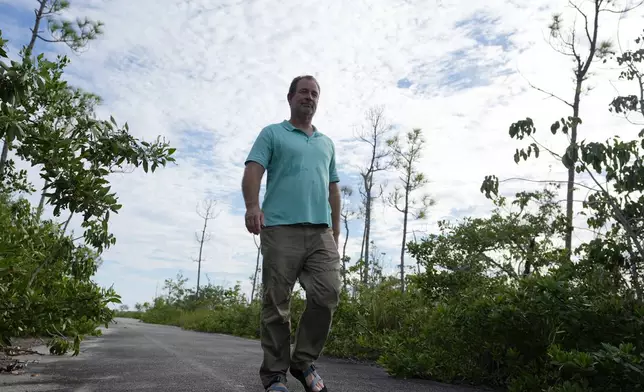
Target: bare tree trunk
[
  {"x": 367, "y": 229},
  {"x": 3, "y": 158},
  {"x": 373, "y": 136},
  {"x": 252, "y": 295},
  {"x": 403, "y": 246},
  {"x": 41, "y": 203},
  {"x": 406, "y": 158},
  {"x": 345, "y": 214},
  {"x": 418, "y": 266},
  {"x": 203, "y": 235},
  {"x": 207, "y": 215},
  {"x": 364, "y": 236},
  {"x": 67, "y": 222},
  {"x": 571, "y": 172},
  {"x": 635, "y": 276},
  {"x": 34, "y": 31},
  {"x": 344, "y": 251}
]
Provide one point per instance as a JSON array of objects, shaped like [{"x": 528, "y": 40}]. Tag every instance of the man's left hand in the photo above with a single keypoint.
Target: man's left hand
[{"x": 336, "y": 238}]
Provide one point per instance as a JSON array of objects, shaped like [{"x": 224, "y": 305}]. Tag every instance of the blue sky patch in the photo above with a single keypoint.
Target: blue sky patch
[
  {"x": 480, "y": 27},
  {"x": 465, "y": 67},
  {"x": 16, "y": 24},
  {"x": 404, "y": 83}
]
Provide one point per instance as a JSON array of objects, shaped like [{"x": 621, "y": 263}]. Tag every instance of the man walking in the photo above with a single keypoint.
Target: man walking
[{"x": 299, "y": 226}]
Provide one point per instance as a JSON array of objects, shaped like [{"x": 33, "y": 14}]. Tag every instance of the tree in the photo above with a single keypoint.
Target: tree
[
  {"x": 568, "y": 45},
  {"x": 206, "y": 214},
  {"x": 509, "y": 245},
  {"x": 50, "y": 118},
  {"x": 53, "y": 126},
  {"x": 65, "y": 304},
  {"x": 406, "y": 160},
  {"x": 60, "y": 31},
  {"x": 176, "y": 290},
  {"x": 374, "y": 135},
  {"x": 617, "y": 203},
  {"x": 346, "y": 214}
]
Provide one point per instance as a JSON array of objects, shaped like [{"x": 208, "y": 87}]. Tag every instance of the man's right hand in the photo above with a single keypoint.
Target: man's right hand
[{"x": 254, "y": 220}]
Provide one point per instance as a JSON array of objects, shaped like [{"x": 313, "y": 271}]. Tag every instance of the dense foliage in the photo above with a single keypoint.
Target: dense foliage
[{"x": 46, "y": 286}]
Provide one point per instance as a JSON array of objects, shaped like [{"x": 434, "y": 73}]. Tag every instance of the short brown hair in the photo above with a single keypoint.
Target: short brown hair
[{"x": 296, "y": 80}]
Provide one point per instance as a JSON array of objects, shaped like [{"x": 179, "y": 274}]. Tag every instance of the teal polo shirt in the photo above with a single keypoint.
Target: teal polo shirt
[{"x": 299, "y": 169}]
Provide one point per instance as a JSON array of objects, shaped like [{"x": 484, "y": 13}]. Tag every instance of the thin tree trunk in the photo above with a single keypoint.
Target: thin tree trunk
[
  {"x": 633, "y": 269},
  {"x": 203, "y": 235},
  {"x": 404, "y": 238},
  {"x": 34, "y": 32},
  {"x": 252, "y": 295},
  {"x": 571, "y": 174},
  {"x": 67, "y": 223},
  {"x": 41, "y": 203},
  {"x": 29, "y": 49},
  {"x": 365, "y": 276},
  {"x": 582, "y": 71},
  {"x": 3, "y": 157},
  {"x": 344, "y": 252},
  {"x": 527, "y": 269},
  {"x": 417, "y": 260},
  {"x": 364, "y": 235}
]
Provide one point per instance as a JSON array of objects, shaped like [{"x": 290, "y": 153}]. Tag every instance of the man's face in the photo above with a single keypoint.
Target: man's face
[{"x": 305, "y": 98}]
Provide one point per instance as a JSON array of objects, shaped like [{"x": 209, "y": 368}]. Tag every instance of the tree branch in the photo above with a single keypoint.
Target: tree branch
[
  {"x": 585, "y": 19},
  {"x": 545, "y": 92},
  {"x": 547, "y": 181},
  {"x": 625, "y": 10}
]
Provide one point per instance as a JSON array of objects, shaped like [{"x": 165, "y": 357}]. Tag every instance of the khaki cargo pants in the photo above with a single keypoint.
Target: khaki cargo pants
[{"x": 309, "y": 253}]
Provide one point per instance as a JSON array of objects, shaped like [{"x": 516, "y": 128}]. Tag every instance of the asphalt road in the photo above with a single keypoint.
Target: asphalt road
[{"x": 133, "y": 356}]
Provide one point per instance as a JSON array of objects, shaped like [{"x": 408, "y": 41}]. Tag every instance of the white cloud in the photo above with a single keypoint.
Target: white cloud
[{"x": 209, "y": 77}]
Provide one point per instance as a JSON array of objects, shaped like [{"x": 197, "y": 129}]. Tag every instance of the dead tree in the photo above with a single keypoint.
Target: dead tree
[
  {"x": 374, "y": 134},
  {"x": 206, "y": 214}
]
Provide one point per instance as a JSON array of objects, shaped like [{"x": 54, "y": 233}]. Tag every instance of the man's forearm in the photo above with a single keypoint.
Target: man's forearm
[
  {"x": 335, "y": 200},
  {"x": 251, "y": 183}
]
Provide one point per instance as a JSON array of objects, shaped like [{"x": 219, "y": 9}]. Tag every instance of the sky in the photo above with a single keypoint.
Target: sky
[{"x": 209, "y": 75}]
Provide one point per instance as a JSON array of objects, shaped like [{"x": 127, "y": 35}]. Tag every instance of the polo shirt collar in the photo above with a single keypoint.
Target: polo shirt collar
[{"x": 289, "y": 127}]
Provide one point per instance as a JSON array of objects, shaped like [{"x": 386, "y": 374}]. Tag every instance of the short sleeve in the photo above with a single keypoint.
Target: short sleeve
[
  {"x": 262, "y": 149},
  {"x": 333, "y": 172}
]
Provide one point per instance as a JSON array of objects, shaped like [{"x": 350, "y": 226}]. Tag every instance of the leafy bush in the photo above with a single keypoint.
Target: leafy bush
[{"x": 74, "y": 305}]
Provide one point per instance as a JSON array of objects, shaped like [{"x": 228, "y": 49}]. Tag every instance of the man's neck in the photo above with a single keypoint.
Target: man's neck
[{"x": 305, "y": 124}]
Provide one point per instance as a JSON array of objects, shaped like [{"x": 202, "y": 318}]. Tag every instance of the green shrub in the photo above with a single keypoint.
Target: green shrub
[
  {"x": 506, "y": 338},
  {"x": 73, "y": 304}
]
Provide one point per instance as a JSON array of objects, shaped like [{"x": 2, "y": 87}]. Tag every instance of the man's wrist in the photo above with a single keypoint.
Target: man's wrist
[{"x": 252, "y": 205}]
